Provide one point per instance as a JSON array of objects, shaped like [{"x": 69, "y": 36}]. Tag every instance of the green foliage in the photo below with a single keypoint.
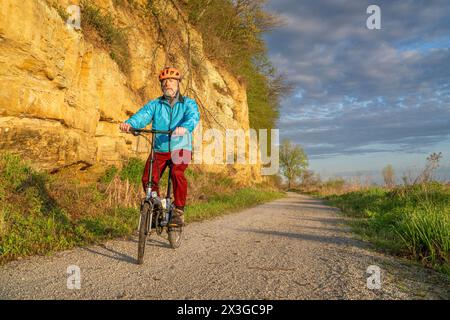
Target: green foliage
[
  {"x": 31, "y": 221},
  {"x": 293, "y": 160},
  {"x": 13, "y": 172},
  {"x": 114, "y": 37},
  {"x": 409, "y": 220},
  {"x": 109, "y": 174},
  {"x": 133, "y": 170},
  {"x": 262, "y": 113},
  {"x": 232, "y": 34}
]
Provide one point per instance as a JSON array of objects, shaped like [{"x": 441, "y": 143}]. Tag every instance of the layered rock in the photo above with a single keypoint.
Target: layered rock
[{"x": 62, "y": 96}]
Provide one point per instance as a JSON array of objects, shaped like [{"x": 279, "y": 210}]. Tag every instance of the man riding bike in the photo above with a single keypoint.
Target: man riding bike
[{"x": 171, "y": 111}]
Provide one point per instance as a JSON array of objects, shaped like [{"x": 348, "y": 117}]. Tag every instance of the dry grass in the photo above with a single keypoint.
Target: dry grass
[
  {"x": 125, "y": 190},
  {"x": 42, "y": 213},
  {"x": 336, "y": 186},
  {"x": 123, "y": 193}
]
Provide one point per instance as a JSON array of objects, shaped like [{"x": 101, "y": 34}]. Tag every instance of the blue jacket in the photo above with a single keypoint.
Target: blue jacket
[{"x": 164, "y": 117}]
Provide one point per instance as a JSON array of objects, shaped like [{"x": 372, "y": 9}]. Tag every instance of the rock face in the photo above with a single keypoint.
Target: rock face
[{"x": 62, "y": 96}]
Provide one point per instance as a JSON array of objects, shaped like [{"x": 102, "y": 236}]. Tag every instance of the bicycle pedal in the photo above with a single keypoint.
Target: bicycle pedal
[{"x": 173, "y": 225}]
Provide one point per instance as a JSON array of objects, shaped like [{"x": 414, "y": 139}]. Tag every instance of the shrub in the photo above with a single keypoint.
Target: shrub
[
  {"x": 114, "y": 37},
  {"x": 132, "y": 171}
]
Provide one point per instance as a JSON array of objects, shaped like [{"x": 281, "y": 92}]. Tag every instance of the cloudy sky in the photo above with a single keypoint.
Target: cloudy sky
[{"x": 365, "y": 98}]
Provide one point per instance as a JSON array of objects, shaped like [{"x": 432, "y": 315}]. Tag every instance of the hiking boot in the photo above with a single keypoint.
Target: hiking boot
[{"x": 177, "y": 218}]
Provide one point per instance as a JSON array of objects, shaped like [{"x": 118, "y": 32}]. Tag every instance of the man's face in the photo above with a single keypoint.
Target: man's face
[{"x": 169, "y": 87}]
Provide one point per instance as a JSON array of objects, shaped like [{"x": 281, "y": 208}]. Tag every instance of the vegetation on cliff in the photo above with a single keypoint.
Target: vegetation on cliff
[{"x": 232, "y": 33}]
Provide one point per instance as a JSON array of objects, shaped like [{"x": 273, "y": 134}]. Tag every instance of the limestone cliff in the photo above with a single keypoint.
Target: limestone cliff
[{"x": 62, "y": 95}]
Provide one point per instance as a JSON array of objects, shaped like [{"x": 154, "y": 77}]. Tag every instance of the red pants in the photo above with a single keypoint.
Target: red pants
[{"x": 178, "y": 160}]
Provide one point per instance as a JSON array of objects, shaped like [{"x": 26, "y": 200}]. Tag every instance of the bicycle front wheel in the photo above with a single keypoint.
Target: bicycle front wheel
[
  {"x": 144, "y": 228},
  {"x": 175, "y": 236}
]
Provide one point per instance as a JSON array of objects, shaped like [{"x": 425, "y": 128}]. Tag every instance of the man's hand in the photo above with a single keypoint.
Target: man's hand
[
  {"x": 124, "y": 127},
  {"x": 179, "y": 131}
]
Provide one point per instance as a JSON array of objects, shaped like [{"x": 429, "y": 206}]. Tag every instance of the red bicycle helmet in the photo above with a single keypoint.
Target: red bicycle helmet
[{"x": 169, "y": 73}]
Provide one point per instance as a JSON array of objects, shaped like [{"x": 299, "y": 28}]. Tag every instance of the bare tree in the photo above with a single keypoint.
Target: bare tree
[
  {"x": 310, "y": 180},
  {"x": 427, "y": 174},
  {"x": 293, "y": 161},
  {"x": 388, "y": 176}
]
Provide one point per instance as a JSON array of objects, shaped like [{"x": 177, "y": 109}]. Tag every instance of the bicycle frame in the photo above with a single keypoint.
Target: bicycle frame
[
  {"x": 151, "y": 196},
  {"x": 151, "y": 200}
]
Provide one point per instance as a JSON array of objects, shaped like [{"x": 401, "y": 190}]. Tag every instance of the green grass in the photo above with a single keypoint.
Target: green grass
[
  {"x": 220, "y": 204},
  {"x": 132, "y": 170},
  {"x": 44, "y": 233},
  {"x": 109, "y": 174},
  {"x": 411, "y": 221},
  {"x": 41, "y": 214},
  {"x": 33, "y": 222}
]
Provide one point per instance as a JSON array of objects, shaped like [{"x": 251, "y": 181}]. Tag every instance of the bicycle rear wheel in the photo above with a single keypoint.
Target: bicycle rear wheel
[{"x": 144, "y": 228}]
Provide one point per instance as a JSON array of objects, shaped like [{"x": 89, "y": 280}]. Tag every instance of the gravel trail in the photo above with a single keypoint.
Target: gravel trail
[{"x": 291, "y": 248}]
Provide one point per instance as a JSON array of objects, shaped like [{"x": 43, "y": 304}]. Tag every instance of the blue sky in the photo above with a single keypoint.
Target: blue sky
[{"x": 365, "y": 98}]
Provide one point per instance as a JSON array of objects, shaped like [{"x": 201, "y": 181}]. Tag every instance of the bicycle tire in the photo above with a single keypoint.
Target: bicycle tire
[
  {"x": 146, "y": 216},
  {"x": 159, "y": 217},
  {"x": 175, "y": 235}
]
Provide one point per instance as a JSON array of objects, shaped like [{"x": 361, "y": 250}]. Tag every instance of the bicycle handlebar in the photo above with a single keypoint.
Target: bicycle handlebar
[{"x": 137, "y": 132}]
